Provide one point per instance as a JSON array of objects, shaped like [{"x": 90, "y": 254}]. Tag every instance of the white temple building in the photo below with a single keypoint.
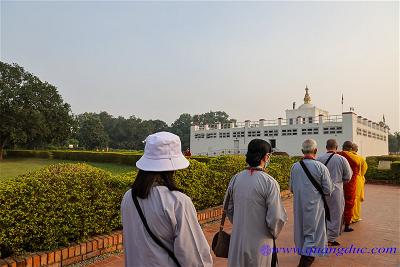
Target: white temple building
[{"x": 287, "y": 135}]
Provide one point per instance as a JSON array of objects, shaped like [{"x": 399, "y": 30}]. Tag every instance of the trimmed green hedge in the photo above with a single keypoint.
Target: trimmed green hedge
[
  {"x": 91, "y": 156},
  {"x": 28, "y": 153},
  {"x": 58, "y": 205},
  {"x": 374, "y": 174},
  {"x": 66, "y": 203}
]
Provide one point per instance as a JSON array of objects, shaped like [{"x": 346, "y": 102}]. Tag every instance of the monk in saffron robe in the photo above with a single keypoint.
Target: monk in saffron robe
[
  {"x": 350, "y": 187},
  {"x": 359, "y": 187}
]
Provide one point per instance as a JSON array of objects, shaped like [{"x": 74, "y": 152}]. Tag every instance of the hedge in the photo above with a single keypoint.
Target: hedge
[
  {"x": 57, "y": 205},
  {"x": 66, "y": 203},
  {"x": 374, "y": 174},
  {"x": 90, "y": 156},
  {"x": 28, "y": 153}
]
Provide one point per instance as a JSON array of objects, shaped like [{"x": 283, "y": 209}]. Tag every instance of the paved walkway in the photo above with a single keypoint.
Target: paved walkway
[{"x": 379, "y": 229}]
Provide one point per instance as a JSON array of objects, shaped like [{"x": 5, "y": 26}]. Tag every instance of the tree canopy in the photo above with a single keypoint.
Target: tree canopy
[{"x": 32, "y": 112}]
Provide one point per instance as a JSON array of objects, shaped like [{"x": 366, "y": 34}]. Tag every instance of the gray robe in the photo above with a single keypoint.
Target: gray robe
[
  {"x": 340, "y": 172},
  {"x": 308, "y": 207},
  {"x": 172, "y": 218},
  {"x": 257, "y": 213}
]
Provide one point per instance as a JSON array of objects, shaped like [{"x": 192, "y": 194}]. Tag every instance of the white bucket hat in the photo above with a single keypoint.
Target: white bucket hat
[{"x": 162, "y": 152}]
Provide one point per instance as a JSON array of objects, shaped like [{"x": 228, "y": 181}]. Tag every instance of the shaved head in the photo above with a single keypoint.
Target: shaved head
[
  {"x": 354, "y": 147},
  {"x": 331, "y": 144},
  {"x": 347, "y": 146}
]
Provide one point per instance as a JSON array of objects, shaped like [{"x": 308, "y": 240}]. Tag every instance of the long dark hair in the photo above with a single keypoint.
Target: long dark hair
[
  {"x": 146, "y": 179},
  {"x": 256, "y": 150}
]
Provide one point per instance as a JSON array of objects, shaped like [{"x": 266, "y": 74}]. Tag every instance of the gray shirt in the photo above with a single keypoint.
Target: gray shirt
[
  {"x": 308, "y": 206},
  {"x": 338, "y": 166},
  {"x": 172, "y": 218},
  {"x": 257, "y": 213}
]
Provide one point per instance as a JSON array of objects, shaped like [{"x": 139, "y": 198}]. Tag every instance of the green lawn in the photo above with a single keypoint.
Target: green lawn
[{"x": 16, "y": 166}]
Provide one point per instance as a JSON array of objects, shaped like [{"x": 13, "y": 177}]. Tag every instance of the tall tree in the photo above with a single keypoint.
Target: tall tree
[
  {"x": 91, "y": 133},
  {"x": 394, "y": 142},
  {"x": 181, "y": 127},
  {"x": 211, "y": 117},
  {"x": 32, "y": 113}
]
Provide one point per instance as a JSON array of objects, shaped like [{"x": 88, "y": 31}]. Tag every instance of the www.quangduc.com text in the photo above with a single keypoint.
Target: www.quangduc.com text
[{"x": 338, "y": 251}]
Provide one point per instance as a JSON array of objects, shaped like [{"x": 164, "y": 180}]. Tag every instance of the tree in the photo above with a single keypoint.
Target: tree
[
  {"x": 394, "y": 142},
  {"x": 91, "y": 133},
  {"x": 181, "y": 127},
  {"x": 32, "y": 113},
  {"x": 211, "y": 117}
]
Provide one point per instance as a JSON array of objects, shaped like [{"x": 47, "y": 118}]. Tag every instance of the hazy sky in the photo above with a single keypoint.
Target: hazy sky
[{"x": 156, "y": 60}]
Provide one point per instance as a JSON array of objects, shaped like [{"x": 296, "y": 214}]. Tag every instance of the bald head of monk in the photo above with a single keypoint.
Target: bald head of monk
[
  {"x": 354, "y": 147},
  {"x": 331, "y": 145},
  {"x": 347, "y": 146}
]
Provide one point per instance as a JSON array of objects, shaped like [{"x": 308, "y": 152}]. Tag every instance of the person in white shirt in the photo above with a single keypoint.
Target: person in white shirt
[{"x": 169, "y": 213}]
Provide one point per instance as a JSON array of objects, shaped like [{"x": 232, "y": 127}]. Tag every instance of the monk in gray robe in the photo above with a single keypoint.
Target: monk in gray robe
[
  {"x": 255, "y": 209},
  {"x": 340, "y": 172},
  {"x": 308, "y": 206}
]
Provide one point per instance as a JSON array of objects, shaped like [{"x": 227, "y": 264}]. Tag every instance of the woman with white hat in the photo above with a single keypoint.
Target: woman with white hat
[{"x": 160, "y": 226}]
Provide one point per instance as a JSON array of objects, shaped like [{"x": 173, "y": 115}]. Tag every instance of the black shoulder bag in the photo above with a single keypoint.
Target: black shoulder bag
[
  {"x": 319, "y": 189},
  {"x": 158, "y": 241}
]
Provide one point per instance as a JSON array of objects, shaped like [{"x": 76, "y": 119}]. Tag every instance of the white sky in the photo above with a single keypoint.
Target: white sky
[{"x": 156, "y": 60}]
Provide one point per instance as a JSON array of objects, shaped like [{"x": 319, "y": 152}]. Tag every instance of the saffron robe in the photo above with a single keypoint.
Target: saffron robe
[
  {"x": 350, "y": 187},
  {"x": 172, "y": 217},
  {"x": 340, "y": 172},
  {"x": 308, "y": 207},
  {"x": 257, "y": 213},
  {"x": 359, "y": 190}
]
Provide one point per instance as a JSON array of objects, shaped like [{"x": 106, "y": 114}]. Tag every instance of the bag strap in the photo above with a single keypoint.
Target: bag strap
[
  {"x": 326, "y": 163},
  {"x": 158, "y": 241},
  {"x": 319, "y": 189},
  {"x": 274, "y": 259}
]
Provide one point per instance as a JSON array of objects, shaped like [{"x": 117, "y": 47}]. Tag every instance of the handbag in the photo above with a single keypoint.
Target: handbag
[
  {"x": 153, "y": 236},
  {"x": 221, "y": 240}
]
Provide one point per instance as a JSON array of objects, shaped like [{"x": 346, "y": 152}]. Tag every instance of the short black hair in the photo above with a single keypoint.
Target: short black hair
[{"x": 256, "y": 150}]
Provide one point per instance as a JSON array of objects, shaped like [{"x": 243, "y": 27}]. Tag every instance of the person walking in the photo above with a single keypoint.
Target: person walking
[
  {"x": 160, "y": 226},
  {"x": 340, "y": 172},
  {"x": 350, "y": 188},
  {"x": 254, "y": 208},
  {"x": 359, "y": 186},
  {"x": 310, "y": 182}
]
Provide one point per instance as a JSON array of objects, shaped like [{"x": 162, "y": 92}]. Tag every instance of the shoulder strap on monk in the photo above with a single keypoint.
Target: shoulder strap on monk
[
  {"x": 153, "y": 236},
  {"x": 319, "y": 189},
  {"x": 331, "y": 156},
  {"x": 274, "y": 258}
]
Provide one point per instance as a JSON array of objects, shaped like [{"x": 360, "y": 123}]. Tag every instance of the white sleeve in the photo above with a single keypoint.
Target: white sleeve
[
  {"x": 190, "y": 245},
  {"x": 229, "y": 210},
  {"x": 276, "y": 213}
]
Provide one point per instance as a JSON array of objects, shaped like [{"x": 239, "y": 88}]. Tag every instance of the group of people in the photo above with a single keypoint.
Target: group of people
[
  {"x": 328, "y": 191},
  {"x": 160, "y": 226}
]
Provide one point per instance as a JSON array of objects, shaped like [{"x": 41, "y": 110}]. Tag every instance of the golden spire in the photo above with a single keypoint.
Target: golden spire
[{"x": 307, "y": 98}]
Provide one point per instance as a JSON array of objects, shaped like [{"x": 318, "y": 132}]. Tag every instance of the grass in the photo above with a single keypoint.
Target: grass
[{"x": 13, "y": 167}]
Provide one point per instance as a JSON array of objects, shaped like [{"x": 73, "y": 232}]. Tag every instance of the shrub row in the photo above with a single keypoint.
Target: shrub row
[
  {"x": 58, "y": 205},
  {"x": 374, "y": 174},
  {"x": 90, "y": 156},
  {"x": 66, "y": 203}
]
